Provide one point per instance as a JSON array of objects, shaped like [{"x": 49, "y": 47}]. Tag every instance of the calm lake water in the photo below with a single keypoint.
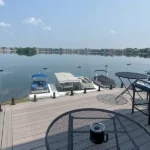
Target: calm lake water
[{"x": 18, "y": 69}]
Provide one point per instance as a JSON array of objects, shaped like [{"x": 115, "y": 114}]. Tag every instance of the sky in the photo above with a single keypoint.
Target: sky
[{"x": 75, "y": 23}]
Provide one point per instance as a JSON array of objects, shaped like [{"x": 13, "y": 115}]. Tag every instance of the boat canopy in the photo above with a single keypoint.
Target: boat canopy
[
  {"x": 39, "y": 75},
  {"x": 64, "y": 77}
]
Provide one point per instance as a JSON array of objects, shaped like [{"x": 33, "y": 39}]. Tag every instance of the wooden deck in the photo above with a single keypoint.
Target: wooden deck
[{"x": 23, "y": 126}]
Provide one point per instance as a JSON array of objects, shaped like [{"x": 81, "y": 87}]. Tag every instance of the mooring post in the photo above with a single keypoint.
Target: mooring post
[
  {"x": 110, "y": 87},
  {"x": 84, "y": 91},
  {"x": 1, "y": 107},
  {"x": 121, "y": 85},
  {"x": 99, "y": 88},
  {"x": 71, "y": 93},
  {"x": 34, "y": 98},
  {"x": 12, "y": 101},
  {"x": 54, "y": 96}
]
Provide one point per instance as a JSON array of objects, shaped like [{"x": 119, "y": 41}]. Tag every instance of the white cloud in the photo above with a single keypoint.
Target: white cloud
[
  {"x": 32, "y": 20},
  {"x": 3, "y": 24},
  {"x": 2, "y": 3},
  {"x": 47, "y": 28},
  {"x": 112, "y": 32}
]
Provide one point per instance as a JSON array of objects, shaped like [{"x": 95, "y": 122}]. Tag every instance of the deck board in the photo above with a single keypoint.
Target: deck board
[
  {"x": 1, "y": 127},
  {"x": 7, "y": 130}
]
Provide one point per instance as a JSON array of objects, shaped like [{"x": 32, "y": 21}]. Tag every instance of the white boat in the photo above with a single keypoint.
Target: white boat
[
  {"x": 67, "y": 81},
  {"x": 85, "y": 83}
]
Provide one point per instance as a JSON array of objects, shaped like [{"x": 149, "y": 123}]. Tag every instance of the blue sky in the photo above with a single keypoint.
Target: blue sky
[{"x": 75, "y": 23}]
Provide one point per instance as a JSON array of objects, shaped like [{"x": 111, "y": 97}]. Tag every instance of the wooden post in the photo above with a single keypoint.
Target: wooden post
[
  {"x": 12, "y": 101},
  {"x": 99, "y": 88},
  {"x": 84, "y": 91},
  {"x": 110, "y": 87},
  {"x": 71, "y": 93},
  {"x": 54, "y": 96},
  {"x": 121, "y": 85},
  {"x": 34, "y": 98}
]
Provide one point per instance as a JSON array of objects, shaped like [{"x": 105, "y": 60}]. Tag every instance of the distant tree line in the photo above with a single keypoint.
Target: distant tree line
[
  {"x": 141, "y": 52},
  {"x": 26, "y": 51}
]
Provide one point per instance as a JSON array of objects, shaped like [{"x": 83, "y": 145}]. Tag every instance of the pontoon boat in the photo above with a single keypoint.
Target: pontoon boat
[
  {"x": 104, "y": 81},
  {"x": 39, "y": 84}
]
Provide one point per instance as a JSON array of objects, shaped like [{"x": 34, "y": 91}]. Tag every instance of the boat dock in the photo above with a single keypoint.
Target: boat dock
[{"x": 23, "y": 126}]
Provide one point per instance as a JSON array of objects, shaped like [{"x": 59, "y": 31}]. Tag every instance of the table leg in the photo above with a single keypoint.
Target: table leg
[
  {"x": 133, "y": 99},
  {"x": 70, "y": 133},
  {"x": 126, "y": 89}
]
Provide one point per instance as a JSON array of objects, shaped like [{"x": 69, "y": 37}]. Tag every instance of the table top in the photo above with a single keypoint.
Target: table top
[
  {"x": 71, "y": 131},
  {"x": 131, "y": 75}
]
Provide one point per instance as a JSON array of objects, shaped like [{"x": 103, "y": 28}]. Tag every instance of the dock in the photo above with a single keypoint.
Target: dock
[{"x": 23, "y": 126}]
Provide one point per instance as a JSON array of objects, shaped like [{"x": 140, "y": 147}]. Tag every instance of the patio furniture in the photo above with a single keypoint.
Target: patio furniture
[
  {"x": 129, "y": 76},
  {"x": 79, "y": 129},
  {"x": 144, "y": 86}
]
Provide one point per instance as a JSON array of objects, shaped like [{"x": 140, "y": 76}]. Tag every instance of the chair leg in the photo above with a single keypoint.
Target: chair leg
[
  {"x": 133, "y": 99},
  {"x": 149, "y": 102}
]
